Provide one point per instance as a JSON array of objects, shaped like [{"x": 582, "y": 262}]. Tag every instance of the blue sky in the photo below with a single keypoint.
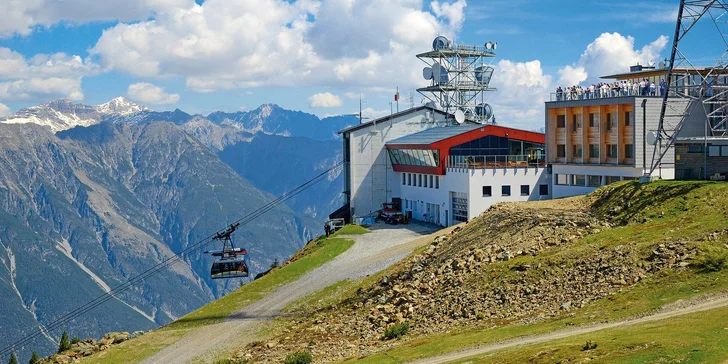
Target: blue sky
[{"x": 310, "y": 55}]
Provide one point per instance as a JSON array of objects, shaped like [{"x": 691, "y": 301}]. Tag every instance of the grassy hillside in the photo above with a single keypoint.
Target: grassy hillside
[
  {"x": 528, "y": 268},
  {"x": 316, "y": 253}
]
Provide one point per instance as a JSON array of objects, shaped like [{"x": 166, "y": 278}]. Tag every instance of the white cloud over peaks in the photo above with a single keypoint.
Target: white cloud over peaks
[
  {"x": 151, "y": 94},
  {"x": 4, "y": 110},
  {"x": 42, "y": 76},
  {"x": 608, "y": 54},
  {"x": 325, "y": 99},
  {"x": 21, "y": 16},
  {"x": 229, "y": 44}
]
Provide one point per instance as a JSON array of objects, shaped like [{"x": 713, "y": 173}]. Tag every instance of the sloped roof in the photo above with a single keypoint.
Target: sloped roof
[
  {"x": 433, "y": 135},
  {"x": 389, "y": 117}
]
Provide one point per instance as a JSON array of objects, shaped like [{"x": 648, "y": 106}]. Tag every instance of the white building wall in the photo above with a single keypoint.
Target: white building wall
[
  {"x": 373, "y": 181},
  {"x": 471, "y": 182},
  {"x": 596, "y": 170}
]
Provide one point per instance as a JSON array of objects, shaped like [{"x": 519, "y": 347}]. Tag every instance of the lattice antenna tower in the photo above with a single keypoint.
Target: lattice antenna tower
[
  {"x": 704, "y": 89},
  {"x": 459, "y": 78}
]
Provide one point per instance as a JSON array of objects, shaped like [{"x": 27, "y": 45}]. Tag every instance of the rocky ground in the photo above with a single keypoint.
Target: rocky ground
[
  {"x": 517, "y": 263},
  {"x": 89, "y": 347}
]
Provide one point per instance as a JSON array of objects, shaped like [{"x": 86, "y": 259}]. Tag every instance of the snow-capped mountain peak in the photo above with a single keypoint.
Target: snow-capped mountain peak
[
  {"x": 122, "y": 106},
  {"x": 63, "y": 114}
]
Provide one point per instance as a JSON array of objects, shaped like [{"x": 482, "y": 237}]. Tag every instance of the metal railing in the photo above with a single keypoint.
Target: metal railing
[
  {"x": 604, "y": 94},
  {"x": 496, "y": 161}
]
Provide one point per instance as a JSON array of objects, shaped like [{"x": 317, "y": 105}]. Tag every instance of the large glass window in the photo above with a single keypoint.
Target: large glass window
[
  {"x": 578, "y": 180},
  {"x": 627, "y": 118},
  {"x": 629, "y": 150},
  {"x": 562, "y": 179},
  {"x": 415, "y": 157},
  {"x": 561, "y": 151},
  {"x": 593, "y": 120},
  {"x": 593, "y": 150},
  {"x": 560, "y": 121},
  {"x": 577, "y": 150},
  {"x": 595, "y": 181},
  {"x": 611, "y": 150}
]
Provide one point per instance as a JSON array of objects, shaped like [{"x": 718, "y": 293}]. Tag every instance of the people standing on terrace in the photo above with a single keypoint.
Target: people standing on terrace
[
  {"x": 653, "y": 89},
  {"x": 662, "y": 87}
]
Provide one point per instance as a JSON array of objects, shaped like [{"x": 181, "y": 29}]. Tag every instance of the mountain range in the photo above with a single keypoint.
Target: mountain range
[{"x": 91, "y": 196}]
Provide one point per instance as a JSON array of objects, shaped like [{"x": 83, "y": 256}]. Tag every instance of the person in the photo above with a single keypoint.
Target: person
[
  {"x": 662, "y": 87},
  {"x": 643, "y": 88},
  {"x": 653, "y": 89},
  {"x": 327, "y": 228}
]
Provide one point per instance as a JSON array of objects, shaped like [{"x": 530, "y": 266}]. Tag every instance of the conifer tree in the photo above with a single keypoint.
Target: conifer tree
[
  {"x": 13, "y": 359},
  {"x": 65, "y": 344},
  {"x": 34, "y": 359}
]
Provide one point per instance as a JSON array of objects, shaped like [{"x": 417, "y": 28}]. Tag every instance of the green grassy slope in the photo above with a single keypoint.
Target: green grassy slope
[{"x": 311, "y": 256}]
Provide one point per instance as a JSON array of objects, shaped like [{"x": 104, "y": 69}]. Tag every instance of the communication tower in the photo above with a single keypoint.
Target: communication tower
[
  {"x": 704, "y": 88},
  {"x": 459, "y": 77}
]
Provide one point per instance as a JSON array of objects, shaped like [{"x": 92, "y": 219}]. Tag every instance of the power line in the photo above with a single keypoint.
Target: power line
[{"x": 5, "y": 352}]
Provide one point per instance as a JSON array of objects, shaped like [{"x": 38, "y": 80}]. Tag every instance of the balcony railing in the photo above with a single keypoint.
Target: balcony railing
[
  {"x": 603, "y": 94},
  {"x": 495, "y": 161}
]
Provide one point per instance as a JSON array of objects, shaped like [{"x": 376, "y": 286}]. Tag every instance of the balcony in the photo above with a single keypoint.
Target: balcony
[
  {"x": 600, "y": 94},
  {"x": 496, "y": 161}
]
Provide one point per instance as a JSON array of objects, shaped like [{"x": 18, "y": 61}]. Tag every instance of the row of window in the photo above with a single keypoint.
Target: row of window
[
  {"x": 543, "y": 190},
  {"x": 593, "y": 120},
  {"x": 420, "y": 180},
  {"x": 576, "y": 151},
  {"x": 415, "y": 157},
  {"x": 713, "y": 150},
  {"x": 582, "y": 180}
]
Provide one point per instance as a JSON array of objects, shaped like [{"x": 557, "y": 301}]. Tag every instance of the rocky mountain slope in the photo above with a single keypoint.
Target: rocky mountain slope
[
  {"x": 82, "y": 210},
  {"x": 524, "y": 268}
]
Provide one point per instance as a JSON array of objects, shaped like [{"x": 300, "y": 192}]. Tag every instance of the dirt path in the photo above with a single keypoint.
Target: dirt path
[
  {"x": 371, "y": 253},
  {"x": 538, "y": 339}
]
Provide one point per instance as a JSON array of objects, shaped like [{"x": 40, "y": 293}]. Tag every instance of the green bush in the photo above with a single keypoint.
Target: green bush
[
  {"x": 13, "y": 359},
  {"x": 480, "y": 316},
  {"x": 712, "y": 259},
  {"x": 589, "y": 346},
  {"x": 75, "y": 340},
  {"x": 231, "y": 361},
  {"x": 299, "y": 357},
  {"x": 396, "y": 331},
  {"x": 64, "y": 344}
]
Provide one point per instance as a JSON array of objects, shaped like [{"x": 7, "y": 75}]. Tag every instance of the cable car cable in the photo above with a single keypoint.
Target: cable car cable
[{"x": 5, "y": 352}]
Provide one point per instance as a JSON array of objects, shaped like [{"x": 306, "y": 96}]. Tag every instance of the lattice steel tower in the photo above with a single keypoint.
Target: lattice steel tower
[
  {"x": 704, "y": 88},
  {"x": 459, "y": 77}
]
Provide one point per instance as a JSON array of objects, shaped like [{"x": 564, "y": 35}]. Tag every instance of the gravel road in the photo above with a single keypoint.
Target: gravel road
[
  {"x": 371, "y": 253},
  {"x": 538, "y": 339}
]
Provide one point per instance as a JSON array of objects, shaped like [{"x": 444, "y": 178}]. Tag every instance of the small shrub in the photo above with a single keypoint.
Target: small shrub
[
  {"x": 589, "y": 346},
  {"x": 275, "y": 263},
  {"x": 480, "y": 316},
  {"x": 299, "y": 357},
  {"x": 64, "y": 344},
  {"x": 34, "y": 358},
  {"x": 712, "y": 259},
  {"x": 396, "y": 331},
  {"x": 75, "y": 340},
  {"x": 231, "y": 361}
]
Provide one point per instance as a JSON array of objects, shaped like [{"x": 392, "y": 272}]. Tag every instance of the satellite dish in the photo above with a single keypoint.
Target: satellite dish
[
  {"x": 661, "y": 65},
  {"x": 427, "y": 73},
  {"x": 483, "y": 74},
  {"x": 495, "y": 45},
  {"x": 485, "y": 111},
  {"x": 432, "y": 105},
  {"x": 651, "y": 138},
  {"x": 440, "y": 43},
  {"x": 459, "y": 116},
  {"x": 488, "y": 45},
  {"x": 439, "y": 73}
]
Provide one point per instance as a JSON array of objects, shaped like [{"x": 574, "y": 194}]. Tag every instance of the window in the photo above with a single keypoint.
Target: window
[
  {"x": 612, "y": 179},
  {"x": 562, "y": 179},
  {"x": 505, "y": 190},
  {"x": 609, "y": 121},
  {"x": 560, "y": 121},
  {"x": 629, "y": 150},
  {"x": 713, "y": 151},
  {"x": 577, "y": 150},
  {"x": 724, "y": 151},
  {"x": 593, "y": 121},
  {"x": 577, "y": 122},
  {"x": 578, "y": 180},
  {"x": 409, "y": 179},
  {"x": 406, "y": 203},
  {"x": 593, "y": 150},
  {"x": 419, "y": 178},
  {"x": 425, "y": 184},
  {"x": 611, "y": 151},
  {"x": 525, "y": 190},
  {"x": 404, "y": 179},
  {"x": 627, "y": 118},
  {"x": 695, "y": 148},
  {"x": 561, "y": 151},
  {"x": 543, "y": 190},
  {"x": 487, "y": 191},
  {"x": 437, "y": 182},
  {"x": 595, "y": 181}
]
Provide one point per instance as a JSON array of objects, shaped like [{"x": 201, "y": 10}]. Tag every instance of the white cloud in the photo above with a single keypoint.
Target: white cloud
[
  {"x": 611, "y": 53},
  {"x": 353, "y": 95},
  {"x": 151, "y": 94},
  {"x": 325, "y": 99},
  {"x": 4, "y": 110},
  {"x": 229, "y": 44},
  {"x": 371, "y": 114},
  {"x": 522, "y": 91},
  {"x": 21, "y": 16},
  {"x": 42, "y": 77}
]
